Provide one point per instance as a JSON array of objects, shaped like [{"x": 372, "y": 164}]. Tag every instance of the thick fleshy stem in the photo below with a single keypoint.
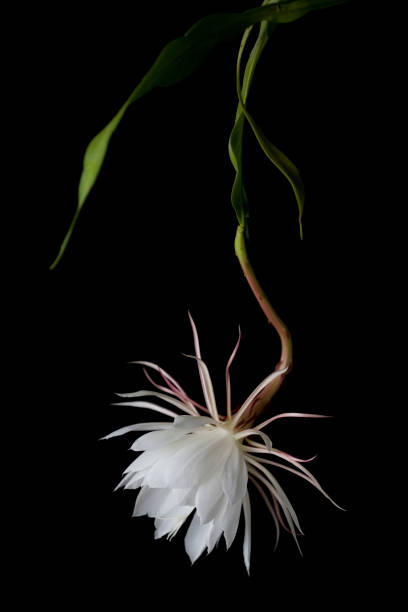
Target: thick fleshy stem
[{"x": 285, "y": 362}]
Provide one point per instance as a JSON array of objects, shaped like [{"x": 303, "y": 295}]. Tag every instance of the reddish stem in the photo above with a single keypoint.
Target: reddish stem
[{"x": 273, "y": 318}]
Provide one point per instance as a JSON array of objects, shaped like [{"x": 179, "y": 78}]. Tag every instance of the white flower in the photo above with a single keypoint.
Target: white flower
[{"x": 200, "y": 465}]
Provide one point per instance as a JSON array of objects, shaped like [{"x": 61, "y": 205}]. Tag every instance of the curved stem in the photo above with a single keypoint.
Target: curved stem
[
  {"x": 270, "y": 313},
  {"x": 286, "y": 358}
]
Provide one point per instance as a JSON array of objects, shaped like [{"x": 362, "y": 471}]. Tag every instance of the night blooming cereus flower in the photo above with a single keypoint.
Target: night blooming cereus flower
[{"x": 201, "y": 465}]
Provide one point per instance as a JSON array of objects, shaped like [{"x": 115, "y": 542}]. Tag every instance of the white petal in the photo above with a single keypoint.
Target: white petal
[
  {"x": 170, "y": 525},
  {"x": 209, "y": 499},
  {"x": 149, "y": 501},
  {"x": 148, "y": 405},
  {"x": 252, "y": 432},
  {"x": 230, "y": 522},
  {"x": 137, "y": 427},
  {"x": 176, "y": 497},
  {"x": 157, "y": 439},
  {"x": 149, "y": 458},
  {"x": 130, "y": 481},
  {"x": 213, "y": 536},
  {"x": 166, "y": 398},
  {"x": 196, "y": 538},
  {"x": 136, "y": 481},
  {"x": 247, "y": 536},
  {"x": 202, "y": 455},
  {"x": 235, "y": 476},
  {"x": 192, "y": 422}
]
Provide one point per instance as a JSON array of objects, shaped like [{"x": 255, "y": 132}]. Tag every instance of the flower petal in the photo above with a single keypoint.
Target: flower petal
[
  {"x": 292, "y": 414},
  {"x": 230, "y": 522},
  {"x": 170, "y": 525},
  {"x": 256, "y": 392},
  {"x": 149, "y": 458},
  {"x": 147, "y": 405},
  {"x": 196, "y": 461},
  {"x": 167, "y": 398},
  {"x": 192, "y": 422},
  {"x": 244, "y": 433},
  {"x": 196, "y": 538},
  {"x": 209, "y": 499},
  {"x": 149, "y": 501},
  {"x": 247, "y": 536},
  {"x": 227, "y": 374},
  {"x": 137, "y": 427},
  {"x": 157, "y": 439},
  {"x": 235, "y": 476},
  {"x": 205, "y": 377}
]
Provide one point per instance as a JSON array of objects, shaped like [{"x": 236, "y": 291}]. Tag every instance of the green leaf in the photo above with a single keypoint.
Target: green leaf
[
  {"x": 277, "y": 157},
  {"x": 178, "y": 60},
  {"x": 239, "y": 198}
]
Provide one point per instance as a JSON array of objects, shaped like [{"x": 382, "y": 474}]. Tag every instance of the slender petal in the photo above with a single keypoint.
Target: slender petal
[
  {"x": 207, "y": 386},
  {"x": 171, "y": 400},
  {"x": 227, "y": 374},
  {"x": 288, "y": 517},
  {"x": 230, "y": 522},
  {"x": 235, "y": 476},
  {"x": 167, "y": 376},
  {"x": 256, "y": 392},
  {"x": 148, "y": 405},
  {"x": 296, "y": 463},
  {"x": 279, "y": 493},
  {"x": 157, "y": 439},
  {"x": 205, "y": 378},
  {"x": 196, "y": 538},
  {"x": 292, "y": 414},
  {"x": 270, "y": 508},
  {"x": 247, "y": 536},
  {"x": 191, "y": 422},
  {"x": 244, "y": 433},
  {"x": 137, "y": 427}
]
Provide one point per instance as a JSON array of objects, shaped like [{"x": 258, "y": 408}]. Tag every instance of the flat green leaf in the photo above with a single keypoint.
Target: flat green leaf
[{"x": 178, "y": 60}]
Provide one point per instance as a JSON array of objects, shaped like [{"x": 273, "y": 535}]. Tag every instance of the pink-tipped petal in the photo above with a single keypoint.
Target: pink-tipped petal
[
  {"x": 256, "y": 392},
  {"x": 292, "y": 414},
  {"x": 254, "y": 432},
  {"x": 287, "y": 509},
  {"x": 227, "y": 375},
  {"x": 207, "y": 386},
  {"x": 294, "y": 462},
  {"x": 205, "y": 378},
  {"x": 269, "y": 506},
  {"x": 163, "y": 396},
  {"x": 279, "y": 492}
]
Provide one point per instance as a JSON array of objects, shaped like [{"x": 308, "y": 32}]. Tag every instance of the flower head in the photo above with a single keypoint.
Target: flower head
[{"x": 199, "y": 462}]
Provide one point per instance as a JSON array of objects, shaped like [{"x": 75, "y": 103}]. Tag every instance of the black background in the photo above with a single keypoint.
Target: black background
[{"x": 154, "y": 239}]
